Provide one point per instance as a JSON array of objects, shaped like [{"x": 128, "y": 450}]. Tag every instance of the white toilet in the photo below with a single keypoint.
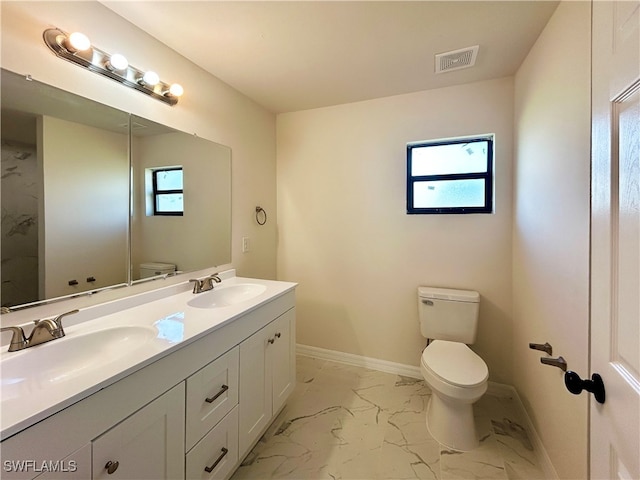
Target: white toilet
[{"x": 456, "y": 375}]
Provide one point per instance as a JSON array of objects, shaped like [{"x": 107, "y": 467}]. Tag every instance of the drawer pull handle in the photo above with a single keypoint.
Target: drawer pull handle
[
  {"x": 271, "y": 340},
  {"x": 278, "y": 335},
  {"x": 213, "y": 399},
  {"x": 111, "y": 467},
  {"x": 215, "y": 464}
]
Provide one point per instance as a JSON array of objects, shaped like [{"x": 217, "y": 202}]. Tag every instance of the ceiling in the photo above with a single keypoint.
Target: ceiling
[{"x": 298, "y": 55}]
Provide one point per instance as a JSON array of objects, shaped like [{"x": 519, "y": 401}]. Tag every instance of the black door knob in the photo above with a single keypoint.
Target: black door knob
[
  {"x": 575, "y": 385},
  {"x": 111, "y": 467}
]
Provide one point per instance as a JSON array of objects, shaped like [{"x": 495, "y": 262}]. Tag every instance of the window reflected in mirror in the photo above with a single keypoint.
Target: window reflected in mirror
[
  {"x": 73, "y": 196},
  {"x": 192, "y": 228},
  {"x": 167, "y": 192}
]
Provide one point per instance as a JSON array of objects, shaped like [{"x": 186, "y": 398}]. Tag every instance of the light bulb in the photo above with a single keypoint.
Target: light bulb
[
  {"x": 176, "y": 90},
  {"x": 77, "y": 42},
  {"x": 149, "y": 78},
  {"x": 117, "y": 62}
]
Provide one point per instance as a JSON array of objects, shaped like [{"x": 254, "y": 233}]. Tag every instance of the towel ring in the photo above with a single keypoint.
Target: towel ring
[{"x": 260, "y": 210}]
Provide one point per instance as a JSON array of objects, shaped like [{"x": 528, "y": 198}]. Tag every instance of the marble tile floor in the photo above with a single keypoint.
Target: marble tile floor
[{"x": 345, "y": 422}]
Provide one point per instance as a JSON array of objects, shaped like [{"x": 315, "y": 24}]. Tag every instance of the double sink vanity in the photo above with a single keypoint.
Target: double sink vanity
[
  {"x": 163, "y": 384},
  {"x": 158, "y": 383}
]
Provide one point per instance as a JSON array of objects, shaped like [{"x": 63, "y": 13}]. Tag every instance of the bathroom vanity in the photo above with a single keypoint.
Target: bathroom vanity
[{"x": 172, "y": 385}]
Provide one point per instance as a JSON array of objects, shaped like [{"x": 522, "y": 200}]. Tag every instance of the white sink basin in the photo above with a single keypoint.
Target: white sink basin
[
  {"x": 225, "y": 296},
  {"x": 67, "y": 358}
]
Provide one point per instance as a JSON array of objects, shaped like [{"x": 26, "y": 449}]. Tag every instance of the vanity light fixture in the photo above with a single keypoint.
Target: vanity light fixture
[
  {"x": 150, "y": 79},
  {"x": 77, "y": 42},
  {"x": 76, "y": 48},
  {"x": 117, "y": 62},
  {"x": 175, "y": 90}
]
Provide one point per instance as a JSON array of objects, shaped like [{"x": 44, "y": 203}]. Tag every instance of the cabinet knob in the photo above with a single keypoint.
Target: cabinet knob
[
  {"x": 111, "y": 466},
  {"x": 271, "y": 340},
  {"x": 278, "y": 335}
]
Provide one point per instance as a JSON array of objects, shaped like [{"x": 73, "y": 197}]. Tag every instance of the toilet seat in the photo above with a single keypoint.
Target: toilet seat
[{"x": 455, "y": 363}]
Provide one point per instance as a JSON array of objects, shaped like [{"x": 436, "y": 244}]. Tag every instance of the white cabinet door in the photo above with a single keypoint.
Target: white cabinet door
[
  {"x": 255, "y": 388},
  {"x": 147, "y": 445},
  {"x": 283, "y": 360},
  {"x": 75, "y": 466},
  {"x": 267, "y": 376}
]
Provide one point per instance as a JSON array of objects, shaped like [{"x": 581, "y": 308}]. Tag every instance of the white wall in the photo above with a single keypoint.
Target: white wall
[
  {"x": 209, "y": 107},
  {"x": 86, "y": 232},
  {"x": 345, "y": 236},
  {"x": 200, "y": 237},
  {"x": 551, "y": 231}
]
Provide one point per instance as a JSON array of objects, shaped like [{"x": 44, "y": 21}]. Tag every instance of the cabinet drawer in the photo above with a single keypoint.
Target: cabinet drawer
[
  {"x": 211, "y": 393},
  {"x": 217, "y": 451}
]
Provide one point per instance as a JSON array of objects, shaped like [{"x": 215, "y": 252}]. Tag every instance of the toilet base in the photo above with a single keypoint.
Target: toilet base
[{"x": 452, "y": 423}]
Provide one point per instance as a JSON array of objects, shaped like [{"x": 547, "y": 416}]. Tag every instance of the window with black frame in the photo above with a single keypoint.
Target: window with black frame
[
  {"x": 168, "y": 193},
  {"x": 450, "y": 176}
]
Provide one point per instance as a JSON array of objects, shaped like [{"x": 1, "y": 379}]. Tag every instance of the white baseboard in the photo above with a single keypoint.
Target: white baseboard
[
  {"x": 543, "y": 458},
  {"x": 359, "y": 361},
  {"x": 494, "y": 389}
]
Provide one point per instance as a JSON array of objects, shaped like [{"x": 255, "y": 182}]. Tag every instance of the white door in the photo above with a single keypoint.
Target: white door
[{"x": 615, "y": 239}]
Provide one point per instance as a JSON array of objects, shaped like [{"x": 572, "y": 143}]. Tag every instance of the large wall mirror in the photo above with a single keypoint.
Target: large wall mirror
[
  {"x": 80, "y": 193},
  {"x": 185, "y": 223}
]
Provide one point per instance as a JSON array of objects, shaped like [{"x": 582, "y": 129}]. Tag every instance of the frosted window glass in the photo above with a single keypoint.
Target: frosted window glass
[
  {"x": 449, "y": 194},
  {"x": 450, "y": 176},
  {"x": 169, "y": 180},
  {"x": 169, "y": 202},
  {"x": 449, "y": 159}
]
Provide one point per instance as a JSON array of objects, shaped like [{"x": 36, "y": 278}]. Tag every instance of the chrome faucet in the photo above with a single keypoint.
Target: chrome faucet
[
  {"x": 18, "y": 340},
  {"x": 205, "y": 284},
  {"x": 43, "y": 331}
]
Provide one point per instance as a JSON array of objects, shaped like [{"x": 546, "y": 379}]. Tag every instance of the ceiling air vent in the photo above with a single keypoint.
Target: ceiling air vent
[{"x": 457, "y": 59}]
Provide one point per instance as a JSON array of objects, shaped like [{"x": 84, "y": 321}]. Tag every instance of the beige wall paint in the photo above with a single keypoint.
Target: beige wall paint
[
  {"x": 551, "y": 231},
  {"x": 98, "y": 203},
  {"x": 178, "y": 240},
  {"x": 209, "y": 107},
  {"x": 345, "y": 236}
]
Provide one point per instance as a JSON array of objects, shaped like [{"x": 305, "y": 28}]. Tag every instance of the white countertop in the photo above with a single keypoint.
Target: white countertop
[{"x": 165, "y": 325}]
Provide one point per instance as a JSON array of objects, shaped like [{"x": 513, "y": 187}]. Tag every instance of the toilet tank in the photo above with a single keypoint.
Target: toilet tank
[
  {"x": 448, "y": 314},
  {"x": 151, "y": 269}
]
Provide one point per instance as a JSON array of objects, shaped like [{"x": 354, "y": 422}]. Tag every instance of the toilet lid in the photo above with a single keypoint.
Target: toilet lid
[{"x": 455, "y": 363}]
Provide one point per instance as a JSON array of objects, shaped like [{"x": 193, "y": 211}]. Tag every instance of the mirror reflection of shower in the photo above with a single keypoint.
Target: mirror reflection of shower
[{"x": 20, "y": 196}]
